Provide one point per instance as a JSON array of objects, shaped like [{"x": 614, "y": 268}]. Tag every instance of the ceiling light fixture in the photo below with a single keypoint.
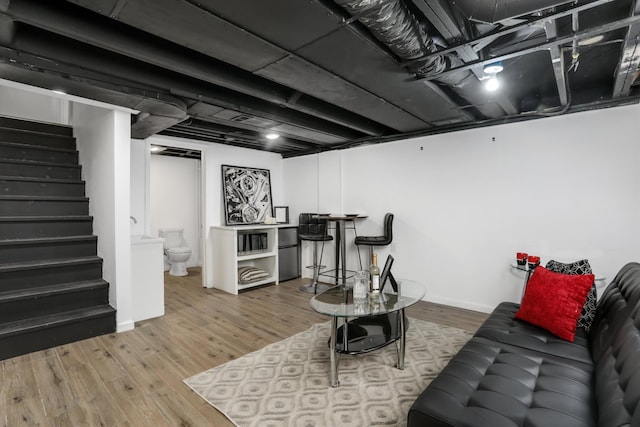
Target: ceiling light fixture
[
  {"x": 492, "y": 83},
  {"x": 58, "y": 91},
  {"x": 272, "y": 136},
  {"x": 157, "y": 148}
]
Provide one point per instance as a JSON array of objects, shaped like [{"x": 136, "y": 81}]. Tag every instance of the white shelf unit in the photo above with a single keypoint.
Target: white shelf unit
[{"x": 226, "y": 258}]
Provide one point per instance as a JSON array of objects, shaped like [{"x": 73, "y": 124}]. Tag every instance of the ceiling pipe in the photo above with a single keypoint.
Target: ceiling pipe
[
  {"x": 92, "y": 29},
  {"x": 394, "y": 25}
]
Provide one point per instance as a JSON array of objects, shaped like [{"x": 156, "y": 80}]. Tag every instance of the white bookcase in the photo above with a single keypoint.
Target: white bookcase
[{"x": 226, "y": 258}]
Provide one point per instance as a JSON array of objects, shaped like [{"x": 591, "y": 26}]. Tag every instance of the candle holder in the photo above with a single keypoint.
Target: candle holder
[{"x": 521, "y": 258}]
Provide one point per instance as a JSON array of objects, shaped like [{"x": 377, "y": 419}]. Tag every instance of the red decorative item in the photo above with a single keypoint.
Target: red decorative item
[
  {"x": 534, "y": 261},
  {"x": 521, "y": 258},
  {"x": 554, "y": 301}
]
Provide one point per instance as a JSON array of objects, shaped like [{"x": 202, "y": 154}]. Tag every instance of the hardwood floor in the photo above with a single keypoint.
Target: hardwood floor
[{"x": 135, "y": 378}]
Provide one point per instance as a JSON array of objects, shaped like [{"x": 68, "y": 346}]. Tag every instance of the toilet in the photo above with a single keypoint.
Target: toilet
[{"x": 176, "y": 251}]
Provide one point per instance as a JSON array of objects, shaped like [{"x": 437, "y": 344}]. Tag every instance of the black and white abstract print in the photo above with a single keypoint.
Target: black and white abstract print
[{"x": 247, "y": 195}]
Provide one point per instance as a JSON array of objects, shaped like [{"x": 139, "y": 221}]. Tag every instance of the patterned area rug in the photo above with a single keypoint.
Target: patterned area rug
[{"x": 287, "y": 383}]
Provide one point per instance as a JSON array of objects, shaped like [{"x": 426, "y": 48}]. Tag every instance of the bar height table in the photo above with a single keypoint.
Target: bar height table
[{"x": 341, "y": 250}]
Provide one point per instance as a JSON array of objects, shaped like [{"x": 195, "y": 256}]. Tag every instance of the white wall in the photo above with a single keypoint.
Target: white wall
[
  {"x": 139, "y": 193},
  {"x": 175, "y": 199},
  {"x": 301, "y": 186},
  {"x": 564, "y": 187},
  {"x": 103, "y": 138},
  {"x": 19, "y": 101}
]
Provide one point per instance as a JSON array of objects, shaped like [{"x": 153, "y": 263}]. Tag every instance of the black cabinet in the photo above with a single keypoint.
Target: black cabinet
[{"x": 288, "y": 253}]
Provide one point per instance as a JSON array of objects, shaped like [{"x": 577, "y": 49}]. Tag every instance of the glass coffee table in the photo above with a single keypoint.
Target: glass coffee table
[{"x": 368, "y": 325}]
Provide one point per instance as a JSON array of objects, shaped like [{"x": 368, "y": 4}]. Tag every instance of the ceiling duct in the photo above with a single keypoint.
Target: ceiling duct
[{"x": 393, "y": 24}]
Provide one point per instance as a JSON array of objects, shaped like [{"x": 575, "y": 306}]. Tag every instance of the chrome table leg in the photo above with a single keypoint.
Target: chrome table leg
[{"x": 333, "y": 375}]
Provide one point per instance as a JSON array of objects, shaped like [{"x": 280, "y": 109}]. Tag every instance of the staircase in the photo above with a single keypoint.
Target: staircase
[{"x": 51, "y": 287}]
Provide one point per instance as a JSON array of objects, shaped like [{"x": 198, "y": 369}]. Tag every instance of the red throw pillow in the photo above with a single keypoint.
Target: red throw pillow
[{"x": 554, "y": 301}]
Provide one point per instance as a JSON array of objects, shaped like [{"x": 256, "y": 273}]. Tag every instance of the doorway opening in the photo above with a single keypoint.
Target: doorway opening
[{"x": 175, "y": 190}]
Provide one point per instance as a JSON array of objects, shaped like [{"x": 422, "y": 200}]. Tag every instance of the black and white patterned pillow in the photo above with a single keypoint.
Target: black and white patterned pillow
[
  {"x": 251, "y": 274},
  {"x": 579, "y": 267}
]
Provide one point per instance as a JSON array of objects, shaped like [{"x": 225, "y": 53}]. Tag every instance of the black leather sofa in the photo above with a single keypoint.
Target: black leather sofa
[{"x": 512, "y": 373}]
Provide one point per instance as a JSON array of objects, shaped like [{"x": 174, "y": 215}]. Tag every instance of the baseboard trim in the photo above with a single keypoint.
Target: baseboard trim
[
  {"x": 458, "y": 303},
  {"x": 125, "y": 326}
]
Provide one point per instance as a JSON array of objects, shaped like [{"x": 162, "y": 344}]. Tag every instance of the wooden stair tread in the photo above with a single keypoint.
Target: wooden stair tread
[
  {"x": 27, "y": 126},
  {"x": 40, "y": 163},
  {"x": 38, "y": 179},
  {"x": 45, "y": 198},
  {"x": 36, "y": 147},
  {"x": 53, "y": 320},
  {"x": 31, "y": 265},
  {"x": 46, "y": 218},
  {"x": 43, "y": 291},
  {"x": 40, "y": 240}
]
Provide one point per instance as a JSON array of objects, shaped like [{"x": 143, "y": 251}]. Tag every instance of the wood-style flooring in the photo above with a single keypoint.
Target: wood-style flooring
[{"x": 135, "y": 378}]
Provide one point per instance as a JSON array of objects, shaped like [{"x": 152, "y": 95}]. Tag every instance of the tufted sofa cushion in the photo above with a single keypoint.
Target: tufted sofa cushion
[
  {"x": 517, "y": 375},
  {"x": 615, "y": 346},
  {"x": 493, "y": 384},
  {"x": 502, "y": 327}
]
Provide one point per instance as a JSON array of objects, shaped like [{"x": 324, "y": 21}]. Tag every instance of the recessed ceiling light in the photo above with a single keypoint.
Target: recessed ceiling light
[
  {"x": 272, "y": 135},
  {"x": 157, "y": 148}
]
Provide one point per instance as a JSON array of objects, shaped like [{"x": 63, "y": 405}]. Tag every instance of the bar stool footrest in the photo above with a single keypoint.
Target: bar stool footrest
[{"x": 316, "y": 266}]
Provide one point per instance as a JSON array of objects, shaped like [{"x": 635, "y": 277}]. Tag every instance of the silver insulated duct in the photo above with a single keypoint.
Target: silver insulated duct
[{"x": 394, "y": 25}]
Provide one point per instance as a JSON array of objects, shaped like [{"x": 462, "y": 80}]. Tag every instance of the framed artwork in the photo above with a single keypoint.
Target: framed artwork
[
  {"x": 247, "y": 195},
  {"x": 281, "y": 214}
]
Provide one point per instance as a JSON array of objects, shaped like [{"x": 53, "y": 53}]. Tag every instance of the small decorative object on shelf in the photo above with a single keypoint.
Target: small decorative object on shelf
[
  {"x": 281, "y": 214},
  {"x": 533, "y": 261},
  {"x": 521, "y": 258}
]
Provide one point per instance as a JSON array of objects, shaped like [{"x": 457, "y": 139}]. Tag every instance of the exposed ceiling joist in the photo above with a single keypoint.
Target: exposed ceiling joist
[
  {"x": 501, "y": 11},
  {"x": 626, "y": 71},
  {"x": 557, "y": 61},
  {"x": 585, "y": 34},
  {"x": 485, "y": 40}
]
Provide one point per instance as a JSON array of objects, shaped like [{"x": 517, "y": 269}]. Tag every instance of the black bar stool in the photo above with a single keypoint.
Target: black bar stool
[
  {"x": 372, "y": 241},
  {"x": 314, "y": 230}
]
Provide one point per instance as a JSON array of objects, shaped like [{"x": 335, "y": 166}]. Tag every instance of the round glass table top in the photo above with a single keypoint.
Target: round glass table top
[{"x": 338, "y": 301}]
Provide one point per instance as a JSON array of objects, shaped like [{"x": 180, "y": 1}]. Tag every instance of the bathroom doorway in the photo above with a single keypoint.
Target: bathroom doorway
[{"x": 176, "y": 195}]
